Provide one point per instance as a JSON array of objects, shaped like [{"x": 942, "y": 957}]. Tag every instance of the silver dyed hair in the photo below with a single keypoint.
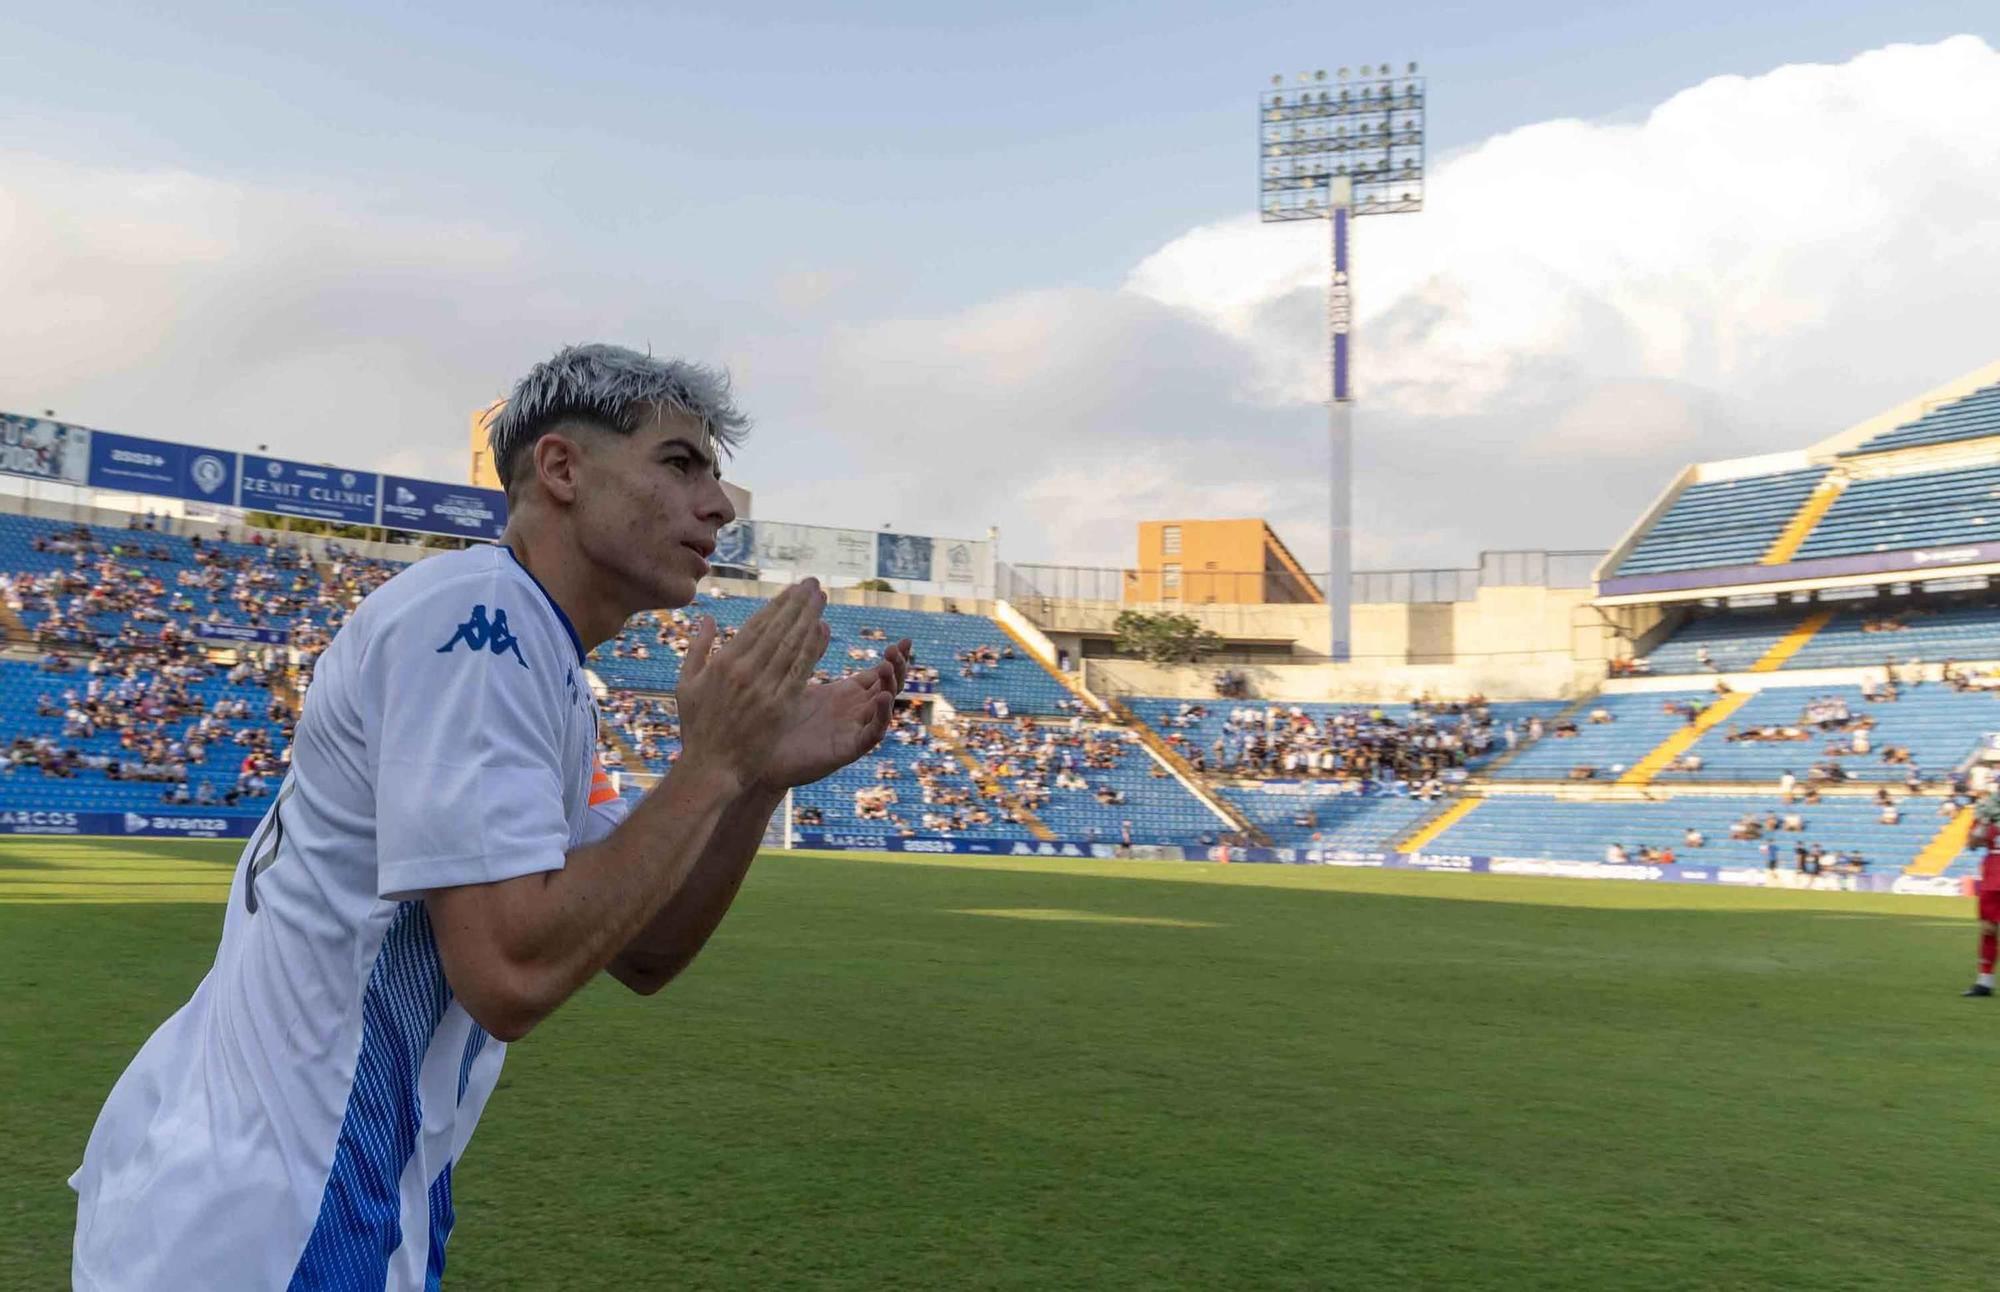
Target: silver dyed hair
[{"x": 617, "y": 389}]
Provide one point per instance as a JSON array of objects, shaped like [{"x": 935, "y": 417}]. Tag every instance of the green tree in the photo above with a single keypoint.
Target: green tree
[
  {"x": 1164, "y": 638},
  {"x": 874, "y": 585}
]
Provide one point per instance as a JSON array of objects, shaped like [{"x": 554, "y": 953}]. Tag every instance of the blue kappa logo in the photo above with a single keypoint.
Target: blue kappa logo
[{"x": 481, "y": 634}]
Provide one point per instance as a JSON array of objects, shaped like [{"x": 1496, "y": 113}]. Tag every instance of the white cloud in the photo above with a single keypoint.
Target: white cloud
[
  {"x": 1584, "y": 307},
  {"x": 1731, "y": 230}
]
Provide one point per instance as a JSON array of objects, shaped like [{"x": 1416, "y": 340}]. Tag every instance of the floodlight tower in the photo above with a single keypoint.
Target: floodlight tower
[{"x": 1334, "y": 150}]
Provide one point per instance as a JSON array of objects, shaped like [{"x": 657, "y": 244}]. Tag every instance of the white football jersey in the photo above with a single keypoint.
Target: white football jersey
[{"x": 295, "y": 1123}]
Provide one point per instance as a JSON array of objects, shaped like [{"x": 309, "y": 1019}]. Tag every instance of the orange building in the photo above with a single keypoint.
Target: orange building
[
  {"x": 484, "y": 473},
  {"x": 1232, "y": 562}
]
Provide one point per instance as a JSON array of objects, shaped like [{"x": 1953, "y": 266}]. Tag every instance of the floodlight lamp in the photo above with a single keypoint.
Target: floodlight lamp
[
  {"x": 1277, "y": 78},
  {"x": 1413, "y": 69},
  {"x": 1320, "y": 75},
  {"x": 1342, "y": 73}
]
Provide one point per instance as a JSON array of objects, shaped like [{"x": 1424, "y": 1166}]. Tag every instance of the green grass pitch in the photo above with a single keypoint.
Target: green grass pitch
[{"x": 1043, "y": 1074}]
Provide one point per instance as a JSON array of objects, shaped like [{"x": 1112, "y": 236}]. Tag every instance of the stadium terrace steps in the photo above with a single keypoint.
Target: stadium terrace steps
[
  {"x": 1428, "y": 832},
  {"x": 1792, "y": 642},
  {"x": 1945, "y": 846},
  {"x": 1664, "y": 753},
  {"x": 1816, "y": 505}
]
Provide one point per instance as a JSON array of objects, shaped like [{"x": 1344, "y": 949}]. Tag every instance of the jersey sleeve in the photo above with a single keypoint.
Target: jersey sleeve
[{"x": 467, "y": 740}]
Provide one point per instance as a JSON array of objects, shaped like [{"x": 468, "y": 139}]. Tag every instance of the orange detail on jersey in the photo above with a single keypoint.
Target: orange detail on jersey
[{"x": 601, "y": 788}]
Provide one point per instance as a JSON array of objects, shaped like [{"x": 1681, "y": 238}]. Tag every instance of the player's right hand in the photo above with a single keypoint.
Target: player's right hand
[{"x": 736, "y": 699}]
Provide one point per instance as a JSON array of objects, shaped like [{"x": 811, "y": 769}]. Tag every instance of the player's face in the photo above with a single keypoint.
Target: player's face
[{"x": 651, "y": 509}]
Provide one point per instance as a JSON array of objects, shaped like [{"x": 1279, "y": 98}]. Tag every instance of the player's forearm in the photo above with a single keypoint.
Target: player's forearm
[
  {"x": 670, "y": 942},
  {"x": 515, "y": 953}
]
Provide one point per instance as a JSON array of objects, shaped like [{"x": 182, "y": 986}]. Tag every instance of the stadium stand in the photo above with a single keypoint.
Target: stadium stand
[
  {"x": 974, "y": 659},
  {"x": 1868, "y": 637},
  {"x": 1345, "y": 822},
  {"x": 1973, "y": 417},
  {"x": 1405, "y": 741},
  {"x": 1526, "y": 825},
  {"x": 1799, "y": 729},
  {"x": 914, "y": 785},
  {"x": 1022, "y": 762},
  {"x": 1850, "y": 638},
  {"x": 1607, "y": 735},
  {"x": 1723, "y": 522},
  {"x": 1897, "y": 513},
  {"x": 132, "y": 738},
  {"x": 1087, "y": 782},
  {"x": 1733, "y": 642},
  {"x": 91, "y": 585}
]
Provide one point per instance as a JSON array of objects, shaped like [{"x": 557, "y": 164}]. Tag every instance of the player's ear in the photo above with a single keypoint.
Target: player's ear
[{"x": 557, "y": 458}]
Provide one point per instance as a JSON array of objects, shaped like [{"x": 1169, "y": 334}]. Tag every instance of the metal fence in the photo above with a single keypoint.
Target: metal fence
[{"x": 1516, "y": 569}]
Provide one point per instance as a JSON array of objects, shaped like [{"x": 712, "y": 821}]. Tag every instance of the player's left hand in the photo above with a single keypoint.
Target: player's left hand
[{"x": 834, "y": 723}]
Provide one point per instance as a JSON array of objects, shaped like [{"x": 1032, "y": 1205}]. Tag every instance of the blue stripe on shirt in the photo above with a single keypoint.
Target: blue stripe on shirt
[{"x": 360, "y": 1213}]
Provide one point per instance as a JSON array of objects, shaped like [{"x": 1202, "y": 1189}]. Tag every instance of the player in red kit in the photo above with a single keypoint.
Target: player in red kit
[{"x": 1986, "y": 835}]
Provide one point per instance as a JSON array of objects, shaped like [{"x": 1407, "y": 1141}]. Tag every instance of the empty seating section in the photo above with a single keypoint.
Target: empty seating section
[
  {"x": 1975, "y": 416},
  {"x": 1964, "y": 632},
  {"x": 1855, "y": 636},
  {"x": 1939, "y": 727},
  {"x": 1928, "y": 510},
  {"x": 938, "y": 639},
  {"x": 1723, "y": 522},
  {"x": 1347, "y": 822},
  {"x": 1734, "y": 642},
  {"x": 1639, "y": 721},
  {"x": 1510, "y": 825}
]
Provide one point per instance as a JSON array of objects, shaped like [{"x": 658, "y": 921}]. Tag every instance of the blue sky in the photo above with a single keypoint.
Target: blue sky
[
  {"x": 738, "y": 181},
  {"x": 1063, "y": 141}
]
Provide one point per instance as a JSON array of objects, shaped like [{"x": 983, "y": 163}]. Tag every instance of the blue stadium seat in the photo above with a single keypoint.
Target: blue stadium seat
[
  {"x": 1929, "y": 509},
  {"x": 1348, "y": 823},
  {"x": 1973, "y": 417},
  {"x": 1723, "y": 522},
  {"x": 1510, "y": 825},
  {"x": 1737, "y": 640},
  {"x": 1940, "y": 728},
  {"x": 938, "y": 639}
]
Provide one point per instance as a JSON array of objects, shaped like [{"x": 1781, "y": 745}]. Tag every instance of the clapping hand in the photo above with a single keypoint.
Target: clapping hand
[
  {"x": 833, "y": 723},
  {"x": 738, "y": 700}
]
